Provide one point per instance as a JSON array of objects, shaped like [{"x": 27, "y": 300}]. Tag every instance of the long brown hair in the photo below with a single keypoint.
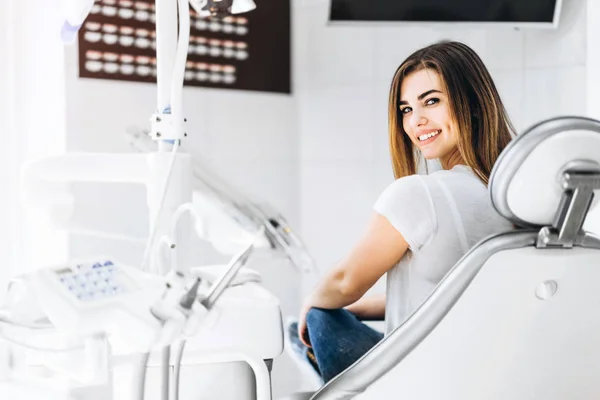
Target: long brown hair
[{"x": 480, "y": 117}]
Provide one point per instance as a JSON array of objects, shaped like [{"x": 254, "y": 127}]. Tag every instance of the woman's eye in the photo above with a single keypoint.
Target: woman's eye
[
  {"x": 432, "y": 101},
  {"x": 405, "y": 110}
]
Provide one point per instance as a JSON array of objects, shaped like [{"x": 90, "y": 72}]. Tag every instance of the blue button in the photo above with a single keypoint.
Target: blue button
[
  {"x": 108, "y": 263},
  {"x": 97, "y": 265}
]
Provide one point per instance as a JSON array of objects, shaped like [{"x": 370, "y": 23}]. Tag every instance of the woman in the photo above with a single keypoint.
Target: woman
[{"x": 443, "y": 105}]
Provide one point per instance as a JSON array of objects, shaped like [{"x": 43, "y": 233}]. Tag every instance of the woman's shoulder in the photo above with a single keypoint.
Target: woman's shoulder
[
  {"x": 407, "y": 192},
  {"x": 407, "y": 204},
  {"x": 409, "y": 184},
  {"x": 459, "y": 174},
  {"x": 419, "y": 187},
  {"x": 459, "y": 170}
]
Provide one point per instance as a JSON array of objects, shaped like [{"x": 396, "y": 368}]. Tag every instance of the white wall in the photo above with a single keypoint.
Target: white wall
[
  {"x": 344, "y": 159},
  {"x": 32, "y": 122},
  {"x": 31, "y": 126},
  {"x": 7, "y": 171}
]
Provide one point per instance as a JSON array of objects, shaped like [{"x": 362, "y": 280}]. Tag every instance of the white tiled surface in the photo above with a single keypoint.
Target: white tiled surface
[
  {"x": 351, "y": 48},
  {"x": 551, "y": 92},
  {"x": 337, "y": 123},
  {"x": 382, "y": 174},
  {"x": 476, "y": 38},
  {"x": 504, "y": 49},
  {"x": 379, "y": 132},
  {"x": 300, "y": 45},
  {"x": 336, "y": 201},
  {"x": 499, "y": 47},
  {"x": 271, "y": 181},
  {"x": 250, "y": 126},
  {"x": 511, "y": 86},
  {"x": 565, "y": 46},
  {"x": 312, "y": 3},
  {"x": 393, "y": 44}
]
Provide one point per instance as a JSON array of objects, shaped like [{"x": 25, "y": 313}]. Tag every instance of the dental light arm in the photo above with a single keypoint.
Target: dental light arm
[
  {"x": 230, "y": 218},
  {"x": 75, "y": 12}
]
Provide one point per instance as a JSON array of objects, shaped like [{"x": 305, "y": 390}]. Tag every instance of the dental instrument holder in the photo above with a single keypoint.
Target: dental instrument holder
[
  {"x": 236, "y": 263},
  {"x": 578, "y": 181}
]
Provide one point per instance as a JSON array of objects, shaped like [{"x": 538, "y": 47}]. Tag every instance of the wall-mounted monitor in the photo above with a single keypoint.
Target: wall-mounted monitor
[{"x": 517, "y": 13}]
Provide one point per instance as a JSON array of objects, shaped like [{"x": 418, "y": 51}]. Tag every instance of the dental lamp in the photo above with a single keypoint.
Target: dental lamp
[
  {"x": 76, "y": 11},
  {"x": 222, "y": 8}
]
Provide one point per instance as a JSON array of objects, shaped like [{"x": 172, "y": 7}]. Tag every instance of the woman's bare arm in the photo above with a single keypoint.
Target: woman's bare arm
[
  {"x": 370, "y": 308},
  {"x": 379, "y": 250}
]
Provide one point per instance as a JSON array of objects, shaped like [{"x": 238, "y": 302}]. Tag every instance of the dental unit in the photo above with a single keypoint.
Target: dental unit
[{"x": 102, "y": 313}]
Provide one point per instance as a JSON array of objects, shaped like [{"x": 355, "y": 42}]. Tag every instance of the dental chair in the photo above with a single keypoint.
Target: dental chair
[{"x": 518, "y": 317}]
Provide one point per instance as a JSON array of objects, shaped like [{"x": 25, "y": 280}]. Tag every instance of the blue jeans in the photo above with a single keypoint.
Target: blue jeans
[{"x": 338, "y": 339}]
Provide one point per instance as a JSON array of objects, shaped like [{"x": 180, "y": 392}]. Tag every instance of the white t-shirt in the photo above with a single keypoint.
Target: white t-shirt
[{"x": 441, "y": 216}]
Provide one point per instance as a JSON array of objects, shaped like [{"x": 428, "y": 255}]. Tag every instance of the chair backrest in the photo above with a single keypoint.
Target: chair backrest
[{"x": 517, "y": 317}]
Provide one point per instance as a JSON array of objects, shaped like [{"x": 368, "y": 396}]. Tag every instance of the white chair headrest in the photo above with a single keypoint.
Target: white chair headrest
[{"x": 525, "y": 184}]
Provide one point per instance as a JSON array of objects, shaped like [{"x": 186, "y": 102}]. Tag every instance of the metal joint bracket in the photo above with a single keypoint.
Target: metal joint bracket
[
  {"x": 578, "y": 181},
  {"x": 164, "y": 127}
]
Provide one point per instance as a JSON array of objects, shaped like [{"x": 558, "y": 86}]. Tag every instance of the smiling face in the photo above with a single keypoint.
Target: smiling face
[
  {"x": 443, "y": 104},
  {"x": 426, "y": 116}
]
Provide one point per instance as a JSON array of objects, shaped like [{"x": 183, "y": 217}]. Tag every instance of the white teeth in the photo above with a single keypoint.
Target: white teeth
[{"x": 432, "y": 134}]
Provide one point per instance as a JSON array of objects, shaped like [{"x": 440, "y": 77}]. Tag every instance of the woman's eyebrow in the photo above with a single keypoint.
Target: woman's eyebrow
[{"x": 421, "y": 96}]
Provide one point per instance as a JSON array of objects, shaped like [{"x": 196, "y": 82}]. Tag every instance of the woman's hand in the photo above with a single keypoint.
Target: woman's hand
[{"x": 302, "y": 328}]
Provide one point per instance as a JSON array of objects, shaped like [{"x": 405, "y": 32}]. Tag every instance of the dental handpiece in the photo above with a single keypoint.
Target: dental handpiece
[{"x": 234, "y": 266}]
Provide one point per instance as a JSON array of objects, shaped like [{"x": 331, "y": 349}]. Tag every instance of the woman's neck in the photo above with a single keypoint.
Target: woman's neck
[{"x": 452, "y": 159}]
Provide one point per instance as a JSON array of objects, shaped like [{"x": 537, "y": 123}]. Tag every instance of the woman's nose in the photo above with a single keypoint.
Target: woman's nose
[{"x": 417, "y": 119}]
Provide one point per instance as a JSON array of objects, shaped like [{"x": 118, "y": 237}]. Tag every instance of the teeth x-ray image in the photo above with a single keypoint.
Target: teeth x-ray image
[{"x": 248, "y": 52}]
